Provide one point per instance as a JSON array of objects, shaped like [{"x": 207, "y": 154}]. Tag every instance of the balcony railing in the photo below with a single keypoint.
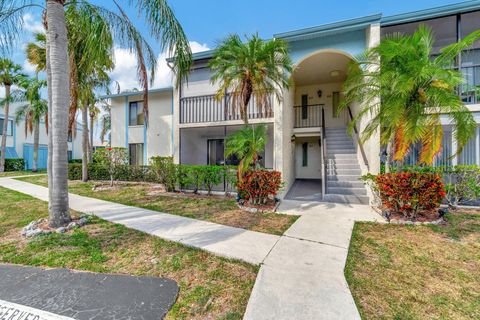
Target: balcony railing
[
  {"x": 200, "y": 109},
  {"x": 308, "y": 116}
]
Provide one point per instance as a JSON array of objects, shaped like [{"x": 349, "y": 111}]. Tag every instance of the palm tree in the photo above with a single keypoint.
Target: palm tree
[
  {"x": 246, "y": 144},
  {"x": 405, "y": 90},
  {"x": 162, "y": 26},
  {"x": 33, "y": 111},
  {"x": 10, "y": 74},
  {"x": 257, "y": 69},
  {"x": 36, "y": 52}
]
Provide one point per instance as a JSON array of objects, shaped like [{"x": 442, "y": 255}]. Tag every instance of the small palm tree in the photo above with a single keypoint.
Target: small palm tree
[
  {"x": 246, "y": 144},
  {"x": 257, "y": 69},
  {"x": 33, "y": 111},
  {"x": 406, "y": 90},
  {"x": 10, "y": 74}
]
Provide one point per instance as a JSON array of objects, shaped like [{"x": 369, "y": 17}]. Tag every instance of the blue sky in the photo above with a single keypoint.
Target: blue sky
[{"x": 207, "y": 22}]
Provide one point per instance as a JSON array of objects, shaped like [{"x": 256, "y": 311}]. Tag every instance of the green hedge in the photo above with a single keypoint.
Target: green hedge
[
  {"x": 99, "y": 172},
  {"x": 163, "y": 170},
  {"x": 14, "y": 164}
]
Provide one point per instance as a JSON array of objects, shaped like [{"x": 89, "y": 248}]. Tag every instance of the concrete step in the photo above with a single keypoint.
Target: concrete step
[
  {"x": 336, "y": 146},
  {"x": 344, "y": 184},
  {"x": 336, "y": 156},
  {"x": 342, "y": 161},
  {"x": 340, "y": 151},
  {"x": 344, "y": 177},
  {"x": 335, "y": 166},
  {"x": 340, "y": 198},
  {"x": 347, "y": 191},
  {"x": 344, "y": 172}
]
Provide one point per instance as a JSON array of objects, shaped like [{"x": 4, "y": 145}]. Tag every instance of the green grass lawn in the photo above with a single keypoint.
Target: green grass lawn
[
  {"x": 210, "y": 287},
  {"x": 209, "y": 208},
  {"x": 417, "y": 272},
  {"x": 20, "y": 173}
]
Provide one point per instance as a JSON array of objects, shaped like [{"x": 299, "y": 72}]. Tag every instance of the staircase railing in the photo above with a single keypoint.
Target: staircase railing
[
  {"x": 323, "y": 155},
  {"x": 359, "y": 141}
]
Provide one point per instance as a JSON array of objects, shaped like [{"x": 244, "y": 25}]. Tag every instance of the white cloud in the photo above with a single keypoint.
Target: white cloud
[
  {"x": 125, "y": 72},
  {"x": 32, "y": 23},
  {"x": 28, "y": 67}
]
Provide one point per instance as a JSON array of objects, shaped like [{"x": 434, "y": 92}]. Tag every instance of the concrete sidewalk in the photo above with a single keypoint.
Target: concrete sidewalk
[
  {"x": 301, "y": 274},
  {"x": 230, "y": 242},
  {"x": 302, "y": 277}
]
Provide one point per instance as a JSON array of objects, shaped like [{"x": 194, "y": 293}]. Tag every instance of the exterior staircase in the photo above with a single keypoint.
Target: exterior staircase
[{"x": 343, "y": 170}]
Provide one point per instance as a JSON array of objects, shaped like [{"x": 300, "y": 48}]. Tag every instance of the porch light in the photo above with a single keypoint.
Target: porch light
[
  {"x": 292, "y": 139},
  {"x": 334, "y": 73}
]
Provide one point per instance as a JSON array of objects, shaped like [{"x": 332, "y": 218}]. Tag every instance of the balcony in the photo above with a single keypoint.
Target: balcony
[
  {"x": 308, "y": 116},
  {"x": 204, "y": 109}
]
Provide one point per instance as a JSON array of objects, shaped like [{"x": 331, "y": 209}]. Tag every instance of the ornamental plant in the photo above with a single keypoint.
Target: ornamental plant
[
  {"x": 114, "y": 159},
  {"x": 410, "y": 192},
  {"x": 258, "y": 185}
]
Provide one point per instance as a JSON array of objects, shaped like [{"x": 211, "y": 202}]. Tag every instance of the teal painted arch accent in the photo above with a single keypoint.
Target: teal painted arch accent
[{"x": 351, "y": 44}]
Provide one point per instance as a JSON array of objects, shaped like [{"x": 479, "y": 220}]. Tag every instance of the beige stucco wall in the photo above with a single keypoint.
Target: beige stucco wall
[
  {"x": 326, "y": 99},
  {"x": 159, "y": 131}
]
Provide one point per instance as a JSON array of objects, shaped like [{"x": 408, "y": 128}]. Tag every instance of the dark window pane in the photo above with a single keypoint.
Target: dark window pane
[
  {"x": 335, "y": 103},
  {"x": 304, "y": 106},
  {"x": 305, "y": 154},
  {"x": 9, "y": 127}
]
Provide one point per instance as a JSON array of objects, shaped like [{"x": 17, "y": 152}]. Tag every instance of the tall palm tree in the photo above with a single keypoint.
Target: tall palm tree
[
  {"x": 162, "y": 26},
  {"x": 405, "y": 90},
  {"x": 33, "y": 110},
  {"x": 257, "y": 69},
  {"x": 10, "y": 74},
  {"x": 247, "y": 143}
]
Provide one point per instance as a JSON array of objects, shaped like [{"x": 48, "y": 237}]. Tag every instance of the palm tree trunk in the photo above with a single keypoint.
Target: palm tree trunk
[
  {"x": 388, "y": 157},
  {"x": 5, "y": 127},
  {"x": 90, "y": 149},
  {"x": 85, "y": 146},
  {"x": 36, "y": 138},
  {"x": 59, "y": 83}
]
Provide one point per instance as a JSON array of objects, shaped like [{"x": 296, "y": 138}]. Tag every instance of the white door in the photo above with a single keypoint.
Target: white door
[
  {"x": 332, "y": 120},
  {"x": 307, "y": 159}
]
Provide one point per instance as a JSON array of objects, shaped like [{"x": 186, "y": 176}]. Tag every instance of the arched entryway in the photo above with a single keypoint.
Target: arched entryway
[{"x": 318, "y": 90}]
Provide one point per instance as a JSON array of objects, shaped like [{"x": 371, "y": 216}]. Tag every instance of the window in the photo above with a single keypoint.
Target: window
[
  {"x": 69, "y": 155},
  {"x": 335, "y": 103},
  {"x": 136, "y": 114},
  {"x": 305, "y": 154},
  {"x": 9, "y": 127},
  {"x": 69, "y": 138},
  {"x": 215, "y": 152},
  {"x": 304, "y": 106},
  {"x": 136, "y": 154}
]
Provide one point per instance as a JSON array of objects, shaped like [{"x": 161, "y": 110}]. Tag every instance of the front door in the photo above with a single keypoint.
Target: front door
[
  {"x": 332, "y": 119},
  {"x": 307, "y": 158}
]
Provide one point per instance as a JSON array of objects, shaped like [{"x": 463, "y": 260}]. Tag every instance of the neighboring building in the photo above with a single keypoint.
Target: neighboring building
[
  {"x": 20, "y": 145},
  {"x": 307, "y": 142}
]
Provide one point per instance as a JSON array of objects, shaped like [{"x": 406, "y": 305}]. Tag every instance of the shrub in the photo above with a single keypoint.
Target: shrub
[
  {"x": 462, "y": 184},
  {"x": 257, "y": 185},
  {"x": 165, "y": 171},
  {"x": 114, "y": 160},
  {"x": 14, "y": 164},
  {"x": 211, "y": 176},
  {"x": 410, "y": 192}
]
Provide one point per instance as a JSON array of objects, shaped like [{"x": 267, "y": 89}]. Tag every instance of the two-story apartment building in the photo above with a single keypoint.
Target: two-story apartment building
[
  {"x": 20, "y": 143},
  {"x": 307, "y": 142}
]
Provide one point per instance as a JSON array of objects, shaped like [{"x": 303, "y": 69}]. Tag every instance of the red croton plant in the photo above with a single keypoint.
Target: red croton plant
[
  {"x": 410, "y": 192},
  {"x": 257, "y": 185}
]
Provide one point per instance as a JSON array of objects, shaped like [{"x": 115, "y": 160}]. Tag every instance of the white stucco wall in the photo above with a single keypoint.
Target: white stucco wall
[
  {"x": 159, "y": 134},
  {"x": 326, "y": 99}
]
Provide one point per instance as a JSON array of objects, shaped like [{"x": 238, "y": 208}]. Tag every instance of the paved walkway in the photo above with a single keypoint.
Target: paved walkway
[
  {"x": 301, "y": 274},
  {"x": 236, "y": 243}
]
